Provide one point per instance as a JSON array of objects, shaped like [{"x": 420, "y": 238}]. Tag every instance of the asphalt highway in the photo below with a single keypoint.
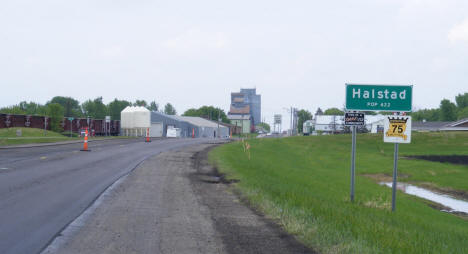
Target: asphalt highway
[{"x": 43, "y": 189}]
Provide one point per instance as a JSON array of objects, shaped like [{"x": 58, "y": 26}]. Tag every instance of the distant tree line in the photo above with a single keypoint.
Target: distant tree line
[
  {"x": 208, "y": 112},
  {"x": 68, "y": 107},
  {"x": 447, "y": 110}
]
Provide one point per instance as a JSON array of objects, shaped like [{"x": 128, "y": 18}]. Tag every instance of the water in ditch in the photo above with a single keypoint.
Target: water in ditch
[{"x": 455, "y": 205}]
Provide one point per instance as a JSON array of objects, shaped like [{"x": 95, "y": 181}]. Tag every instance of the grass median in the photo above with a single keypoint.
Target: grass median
[
  {"x": 303, "y": 183},
  {"x": 9, "y": 137}
]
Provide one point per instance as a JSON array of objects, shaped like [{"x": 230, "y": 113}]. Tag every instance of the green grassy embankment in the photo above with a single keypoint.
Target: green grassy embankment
[
  {"x": 303, "y": 183},
  {"x": 33, "y": 135}
]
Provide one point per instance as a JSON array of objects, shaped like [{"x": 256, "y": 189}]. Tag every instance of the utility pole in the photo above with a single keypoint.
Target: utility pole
[
  {"x": 291, "y": 121},
  {"x": 218, "y": 121},
  {"x": 242, "y": 122},
  {"x": 45, "y": 125}
]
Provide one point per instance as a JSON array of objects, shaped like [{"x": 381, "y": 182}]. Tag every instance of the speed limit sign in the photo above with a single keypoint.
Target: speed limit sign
[{"x": 397, "y": 129}]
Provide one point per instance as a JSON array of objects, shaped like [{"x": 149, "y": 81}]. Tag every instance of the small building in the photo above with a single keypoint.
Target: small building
[
  {"x": 244, "y": 121},
  {"x": 161, "y": 123},
  {"x": 233, "y": 129},
  {"x": 460, "y": 125},
  {"x": 308, "y": 127},
  {"x": 374, "y": 123},
  {"x": 205, "y": 128},
  {"x": 329, "y": 123}
]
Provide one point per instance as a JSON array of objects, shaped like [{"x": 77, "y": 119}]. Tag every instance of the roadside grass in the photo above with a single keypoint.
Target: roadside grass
[
  {"x": 32, "y": 135},
  {"x": 303, "y": 183}
]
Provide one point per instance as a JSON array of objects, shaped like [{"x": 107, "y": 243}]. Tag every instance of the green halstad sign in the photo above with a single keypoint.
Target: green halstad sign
[{"x": 379, "y": 98}]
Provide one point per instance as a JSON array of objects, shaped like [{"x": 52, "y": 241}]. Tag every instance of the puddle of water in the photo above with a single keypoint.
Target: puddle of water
[{"x": 455, "y": 205}]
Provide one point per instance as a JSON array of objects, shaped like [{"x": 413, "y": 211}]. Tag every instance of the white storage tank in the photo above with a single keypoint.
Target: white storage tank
[
  {"x": 135, "y": 121},
  {"x": 141, "y": 117}
]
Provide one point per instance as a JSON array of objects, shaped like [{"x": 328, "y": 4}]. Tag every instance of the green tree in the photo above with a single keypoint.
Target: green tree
[
  {"x": 462, "y": 100},
  {"x": 116, "y": 106},
  {"x": 448, "y": 111},
  {"x": 33, "y": 108},
  {"x": 14, "y": 110},
  {"x": 95, "y": 108},
  {"x": 169, "y": 109},
  {"x": 302, "y": 116},
  {"x": 431, "y": 115},
  {"x": 153, "y": 106},
  {"x": 208, "y": 112},
  {"x": 192, "y": 112},
  {"x": 333, "y": 111},
  {"x": 371, "y": 113},
  {"x": 55, "y": 111},
  {"x": 319, "y": 112},
  {"x": 463, "y": 113},
  {"x": 264, "y": 126},
  {"x": 70, "y": 105},
  {"x": 141, "y": 103}
]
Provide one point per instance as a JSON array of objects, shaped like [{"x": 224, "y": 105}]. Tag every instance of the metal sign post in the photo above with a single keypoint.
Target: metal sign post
[
  {"x": 353, "y": 119},
  {"x": 70, "y": 119},
  {"x": 45, "y": 125},
  {"x": 397, "y": 129},
  {"x": 394, "y": 184},
  {"x": 353, "y": 162},
  {"x": 108, "y": 120}
]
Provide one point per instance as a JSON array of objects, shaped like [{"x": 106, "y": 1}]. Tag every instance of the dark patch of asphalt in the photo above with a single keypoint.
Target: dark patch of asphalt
[
  {"x": 242, "y": 228},
  {"x": 43, "y": 189}
]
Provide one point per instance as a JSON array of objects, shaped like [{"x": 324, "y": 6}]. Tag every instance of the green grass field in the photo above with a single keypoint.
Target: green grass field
[
  {"x": 303, "y": 183},
  {"x": 31, "y": 135}
]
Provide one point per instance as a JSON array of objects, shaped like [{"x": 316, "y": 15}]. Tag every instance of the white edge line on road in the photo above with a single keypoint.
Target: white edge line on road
[
  {"x": 80, "y": 221},
  {"x": 69, "y": 230}
]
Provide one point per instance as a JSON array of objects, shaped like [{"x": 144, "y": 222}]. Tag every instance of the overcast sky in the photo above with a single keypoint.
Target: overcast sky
[{"x": 194, "y": 53}]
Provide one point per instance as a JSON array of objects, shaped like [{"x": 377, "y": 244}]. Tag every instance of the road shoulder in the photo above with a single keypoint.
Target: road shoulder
[
  {"x": 173, "y": 203},
  {"x": 242, "y": 228}
]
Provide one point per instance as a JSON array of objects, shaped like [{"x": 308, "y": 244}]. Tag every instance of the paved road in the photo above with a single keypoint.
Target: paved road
[{"x": 43, "y": 189}]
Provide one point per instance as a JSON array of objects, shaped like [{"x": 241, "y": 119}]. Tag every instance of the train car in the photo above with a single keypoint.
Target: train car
[
  {"x": 115, "y": 127},
  {"x": 96, "y": 127}
]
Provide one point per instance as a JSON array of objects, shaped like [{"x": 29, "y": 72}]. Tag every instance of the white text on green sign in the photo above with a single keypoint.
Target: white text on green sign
[{"x": 378, "y": 97}]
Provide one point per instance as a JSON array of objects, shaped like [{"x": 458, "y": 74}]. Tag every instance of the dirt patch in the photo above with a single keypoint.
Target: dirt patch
[
  {"x": 242, "y": 228},
  {"x": 380, "y": 177},
  {"x": 443, "y": 208},
  {"x": 455, "y": 159}
]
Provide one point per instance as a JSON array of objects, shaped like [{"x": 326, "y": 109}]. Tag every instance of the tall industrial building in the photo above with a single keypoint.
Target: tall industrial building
[{"x": 247, "y": 102}]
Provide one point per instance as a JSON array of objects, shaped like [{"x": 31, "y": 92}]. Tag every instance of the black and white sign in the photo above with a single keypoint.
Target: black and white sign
[{"x": 353, "y": 119}]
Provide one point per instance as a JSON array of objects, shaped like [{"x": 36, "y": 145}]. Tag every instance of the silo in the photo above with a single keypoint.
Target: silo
[
  {"x": 126, "y": 121},
  {"x": 141, "y": 120}
]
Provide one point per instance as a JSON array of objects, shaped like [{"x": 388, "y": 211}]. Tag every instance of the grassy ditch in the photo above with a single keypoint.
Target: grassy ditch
[
  {"x": 303, "y": 183},
  {"x": 32, "y": 135}
]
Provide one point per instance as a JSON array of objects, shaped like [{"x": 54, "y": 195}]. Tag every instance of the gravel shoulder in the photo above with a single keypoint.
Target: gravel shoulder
[{"x": 173, "y": 203}]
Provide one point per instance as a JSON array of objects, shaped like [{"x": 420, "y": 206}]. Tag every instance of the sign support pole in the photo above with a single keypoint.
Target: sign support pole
[
  {"x": 394, "y": 184},
  {"x": 353, "y": 162}
]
